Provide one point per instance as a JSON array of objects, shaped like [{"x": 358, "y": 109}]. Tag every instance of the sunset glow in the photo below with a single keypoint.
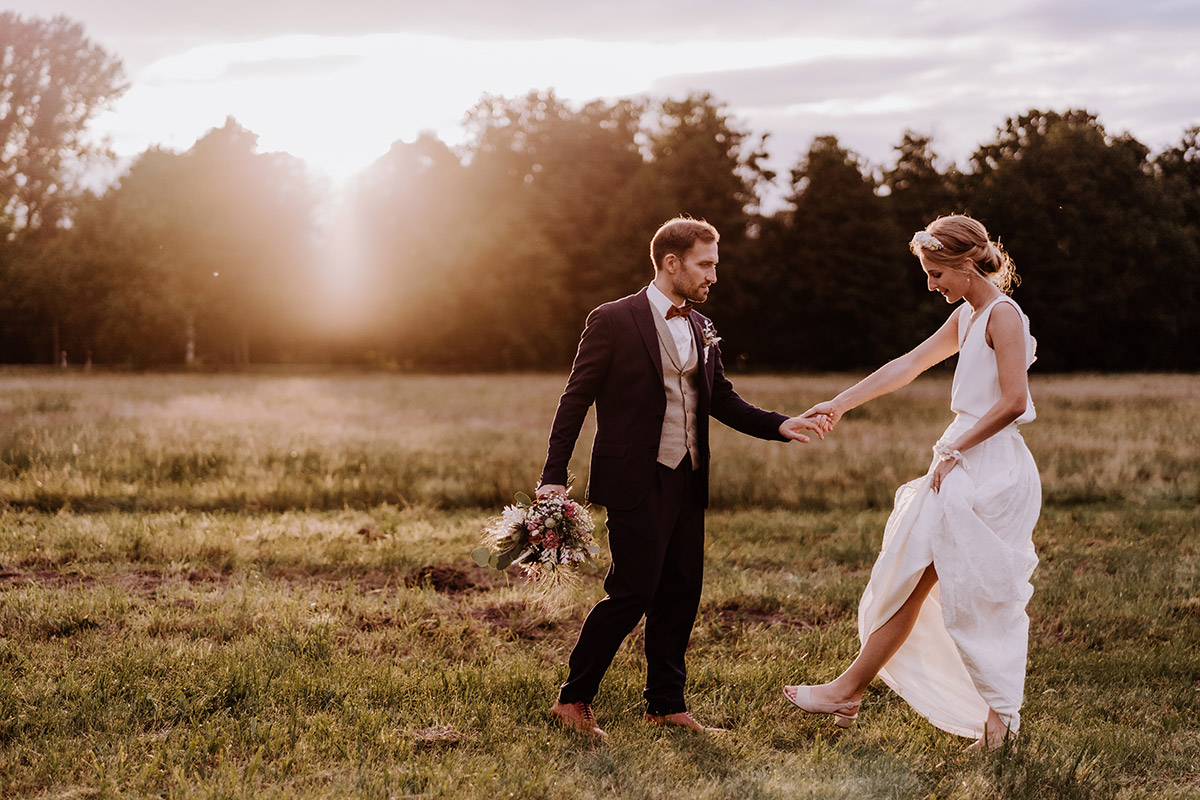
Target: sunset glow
[
  {"x": 340, "y": 102},
  {"x": 337, "y": 85}
]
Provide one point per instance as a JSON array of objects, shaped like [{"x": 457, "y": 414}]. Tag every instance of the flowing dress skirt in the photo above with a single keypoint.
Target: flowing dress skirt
[{"x": 968, "y": 649}]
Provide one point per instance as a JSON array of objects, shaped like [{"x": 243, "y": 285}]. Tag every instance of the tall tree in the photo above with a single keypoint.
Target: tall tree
[
  {"x": 701, "y": 162},
  {"x": 399, "y": 235},
  {"x": 567, "y": 166},
  {"x": 460, "y": 263},
  {"x": 129, "y": 315},
  {"x": 1178, "y": 169},
  {"x": 222, "y": 236},
  {"x": 1085, "y": 220},
  {"x": 918, "y": 192},
  {"x": 549, "y": 216},
  {"x": 53, "y": 82},
  {"x": 833, "y": 266},
  {"x": 1179, "y": 166}
]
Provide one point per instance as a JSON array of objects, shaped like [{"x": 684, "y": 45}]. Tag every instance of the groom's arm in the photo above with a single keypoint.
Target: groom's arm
[
  {"x": 729, "y": 408},
  {"x": 587, "y": 376}
]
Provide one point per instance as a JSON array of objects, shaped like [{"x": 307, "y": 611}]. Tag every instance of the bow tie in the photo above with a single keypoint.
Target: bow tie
[{"x": 684, "y": 311}]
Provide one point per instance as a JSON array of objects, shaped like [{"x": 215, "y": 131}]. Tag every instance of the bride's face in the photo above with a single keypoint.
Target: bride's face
[{"x": 950, "y": 283}]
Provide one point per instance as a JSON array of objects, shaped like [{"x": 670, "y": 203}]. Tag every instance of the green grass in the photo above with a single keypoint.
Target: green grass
[
  {"x": 189, "y": 610},
  {"x": 274, "y": 443}
]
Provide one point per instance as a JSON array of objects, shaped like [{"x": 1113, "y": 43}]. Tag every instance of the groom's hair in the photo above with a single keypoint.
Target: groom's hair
[{"x": 677, "y": 236}]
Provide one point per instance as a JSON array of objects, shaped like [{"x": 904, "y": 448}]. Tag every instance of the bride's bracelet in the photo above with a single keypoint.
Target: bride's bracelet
[{"x": 944, "y": 453}]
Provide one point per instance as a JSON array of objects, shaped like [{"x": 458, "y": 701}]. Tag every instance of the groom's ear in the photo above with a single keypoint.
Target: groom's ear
[{"x": 670, "y": 262}]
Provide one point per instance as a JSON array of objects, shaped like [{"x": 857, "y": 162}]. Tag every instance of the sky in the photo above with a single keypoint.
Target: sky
[{"x": 337, "y": 82}]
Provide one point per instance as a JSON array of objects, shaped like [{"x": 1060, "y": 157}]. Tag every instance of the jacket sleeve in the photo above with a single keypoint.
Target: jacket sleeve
[
  {"x": 591, "y": 366},
  {"x": 729, "y": 408}
]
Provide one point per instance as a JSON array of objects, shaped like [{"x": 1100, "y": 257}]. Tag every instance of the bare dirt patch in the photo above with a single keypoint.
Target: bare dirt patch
[
  {"x": 441, "y": 578},
  {"x": 746, "y": 613},
  {"x": 521, "y": 620}
]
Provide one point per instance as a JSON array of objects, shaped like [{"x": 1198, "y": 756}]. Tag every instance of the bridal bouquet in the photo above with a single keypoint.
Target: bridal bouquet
[{"x": 547, "y": 538}]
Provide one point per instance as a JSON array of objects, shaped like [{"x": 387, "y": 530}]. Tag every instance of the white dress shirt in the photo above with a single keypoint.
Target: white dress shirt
[{"x": 680, "y": 327}]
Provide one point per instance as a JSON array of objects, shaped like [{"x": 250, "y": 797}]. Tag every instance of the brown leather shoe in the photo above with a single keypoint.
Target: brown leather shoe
[
  {"x": 579, "y": 718},
  {"x": 683, "y": 720}
]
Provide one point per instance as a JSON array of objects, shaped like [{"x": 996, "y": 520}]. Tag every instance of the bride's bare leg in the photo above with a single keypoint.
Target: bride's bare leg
[{"x": 879, "y": 647}]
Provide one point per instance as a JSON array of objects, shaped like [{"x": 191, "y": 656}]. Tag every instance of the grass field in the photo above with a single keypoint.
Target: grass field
[{"x": 260, "y": 586}]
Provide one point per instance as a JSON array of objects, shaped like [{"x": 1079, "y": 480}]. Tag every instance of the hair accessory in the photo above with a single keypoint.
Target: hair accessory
[{"x": 926, "y": 241}]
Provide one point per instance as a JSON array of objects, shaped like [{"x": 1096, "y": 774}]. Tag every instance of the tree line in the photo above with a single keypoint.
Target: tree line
[{"x": 489, "y": 255}]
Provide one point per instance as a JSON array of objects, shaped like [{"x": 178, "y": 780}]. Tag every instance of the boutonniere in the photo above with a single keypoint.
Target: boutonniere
[{"x": 709, "y": 334}]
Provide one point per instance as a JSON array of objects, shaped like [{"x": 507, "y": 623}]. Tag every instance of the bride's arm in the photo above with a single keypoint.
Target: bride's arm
[
  {"x": 1006, "y": 333},
  {"x": 896, "y": 373}
]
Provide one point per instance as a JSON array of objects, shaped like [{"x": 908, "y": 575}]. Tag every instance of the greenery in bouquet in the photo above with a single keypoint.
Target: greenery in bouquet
[{"x": 548, "y": 538}]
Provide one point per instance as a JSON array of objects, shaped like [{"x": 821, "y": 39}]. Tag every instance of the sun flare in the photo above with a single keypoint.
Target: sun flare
[{"x": 339, "y": 103}]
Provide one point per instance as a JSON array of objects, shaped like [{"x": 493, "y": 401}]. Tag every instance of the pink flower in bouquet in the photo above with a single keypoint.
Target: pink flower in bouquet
[{"x": 548, "y": 539}]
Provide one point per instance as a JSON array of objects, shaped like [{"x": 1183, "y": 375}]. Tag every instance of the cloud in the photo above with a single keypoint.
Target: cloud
[
  {"x": 624, "y": 20},
  {"x": 960, "y": 91},
  {"x": 864, "y": 71},
  {"x": 665, "y": 21},
  {"x": 866, "y": 101},
  {"x": 847, "y": 78},
  {"x": 288, "y": 67},
  {"x": 143, "y": 31},
  {"x": 1084, "y": 18}
]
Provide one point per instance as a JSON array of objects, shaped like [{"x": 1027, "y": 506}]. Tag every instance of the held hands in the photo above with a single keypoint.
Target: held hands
[
  {"x": 826, "y": 414},
  {"x": 819, "y": 419},
  {"x": 549, "y": 489},
  {"x": 791, "y": 428}
]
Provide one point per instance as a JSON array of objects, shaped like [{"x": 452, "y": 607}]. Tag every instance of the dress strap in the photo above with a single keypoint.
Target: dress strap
[
  {"x": 983, "y": 314},
  {"x": 1030, "y": 341},
  {"x": 986, "y": 314}
]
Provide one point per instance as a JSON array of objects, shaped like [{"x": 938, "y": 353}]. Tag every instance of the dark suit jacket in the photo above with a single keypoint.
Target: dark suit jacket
[{"x": 618, "y": 367}]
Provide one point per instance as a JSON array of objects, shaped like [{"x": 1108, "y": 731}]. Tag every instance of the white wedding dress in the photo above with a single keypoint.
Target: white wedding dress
[{"x": 968, "y": 649}]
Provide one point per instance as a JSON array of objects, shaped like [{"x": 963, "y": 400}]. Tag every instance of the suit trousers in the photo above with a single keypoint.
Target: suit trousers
[{"x": 657, "y": 571}]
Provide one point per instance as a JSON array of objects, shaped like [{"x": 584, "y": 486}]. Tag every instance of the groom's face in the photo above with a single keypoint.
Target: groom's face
[{"x": 695, "y": 271}]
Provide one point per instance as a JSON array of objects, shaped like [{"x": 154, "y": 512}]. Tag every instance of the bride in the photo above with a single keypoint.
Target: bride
[{"x": 943, "y": 619}]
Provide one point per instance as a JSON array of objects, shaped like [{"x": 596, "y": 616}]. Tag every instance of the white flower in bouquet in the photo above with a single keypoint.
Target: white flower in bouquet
[{"x": 548, "y": 538}]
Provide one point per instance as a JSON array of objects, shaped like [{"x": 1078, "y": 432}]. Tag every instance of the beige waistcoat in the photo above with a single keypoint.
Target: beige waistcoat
[{"x": 679, "y": 380}]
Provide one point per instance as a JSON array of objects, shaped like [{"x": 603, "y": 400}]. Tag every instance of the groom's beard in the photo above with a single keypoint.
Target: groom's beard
[{"x": 693, "y": 294}]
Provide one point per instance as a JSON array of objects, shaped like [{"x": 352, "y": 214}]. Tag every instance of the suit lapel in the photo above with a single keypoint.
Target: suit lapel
[
  {"x": 640, "y": 310},
  {"x": 706, "y": 359}
]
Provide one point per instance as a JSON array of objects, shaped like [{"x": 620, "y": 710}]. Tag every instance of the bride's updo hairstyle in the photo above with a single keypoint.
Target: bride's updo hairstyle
[{"x": 961, "y": 243}]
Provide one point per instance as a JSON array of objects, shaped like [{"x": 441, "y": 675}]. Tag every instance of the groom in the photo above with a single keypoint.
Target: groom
[{"x": 650, "y": 364}]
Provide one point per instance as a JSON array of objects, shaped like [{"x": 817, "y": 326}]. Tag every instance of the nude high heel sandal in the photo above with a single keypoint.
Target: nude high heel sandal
[{"x": 844, "y": 714}]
